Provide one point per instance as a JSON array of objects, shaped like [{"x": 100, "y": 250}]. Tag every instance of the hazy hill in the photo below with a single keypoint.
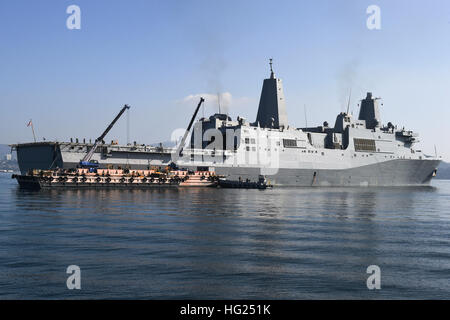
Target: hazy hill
[
  {"x": 4, "y": 149},
  {"x": 7, "y": 164}
]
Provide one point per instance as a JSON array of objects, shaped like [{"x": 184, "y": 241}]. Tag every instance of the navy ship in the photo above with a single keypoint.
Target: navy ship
[{"x": 353, "y": 152}]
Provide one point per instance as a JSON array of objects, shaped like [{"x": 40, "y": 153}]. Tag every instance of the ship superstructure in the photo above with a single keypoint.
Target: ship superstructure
[{"x": 353, "y": 152}]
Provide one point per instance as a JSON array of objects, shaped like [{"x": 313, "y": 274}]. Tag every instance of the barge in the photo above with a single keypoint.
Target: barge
[{"x": 81, "y": 178}]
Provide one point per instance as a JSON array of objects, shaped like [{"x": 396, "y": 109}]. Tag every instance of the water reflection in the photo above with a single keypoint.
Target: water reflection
[{"x": 212, "y": 243}]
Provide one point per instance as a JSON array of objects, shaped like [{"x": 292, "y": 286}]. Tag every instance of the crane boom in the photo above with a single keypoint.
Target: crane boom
[
  {"x": 183, "y": 141},
  {"x": 88, "y": 156}
]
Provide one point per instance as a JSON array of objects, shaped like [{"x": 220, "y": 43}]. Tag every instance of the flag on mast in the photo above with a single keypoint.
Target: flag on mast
[{"x": 30, "y": 123}]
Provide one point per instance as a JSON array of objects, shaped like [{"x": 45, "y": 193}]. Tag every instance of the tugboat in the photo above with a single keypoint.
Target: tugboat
[{"x": 247, "y": 184}]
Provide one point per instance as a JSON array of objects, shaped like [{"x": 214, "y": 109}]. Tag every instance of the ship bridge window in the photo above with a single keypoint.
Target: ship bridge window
[
  {"x": 364, "y": 144},
  {"x": 247, "y": 140},
  {"x": 290, "y": 143}
]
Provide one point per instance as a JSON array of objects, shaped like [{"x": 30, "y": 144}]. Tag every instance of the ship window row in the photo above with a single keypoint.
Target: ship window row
[{"x": 364, "y": 144}]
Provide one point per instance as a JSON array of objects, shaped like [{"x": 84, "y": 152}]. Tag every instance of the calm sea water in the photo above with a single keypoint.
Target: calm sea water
[{"x": 303, "y": 243}]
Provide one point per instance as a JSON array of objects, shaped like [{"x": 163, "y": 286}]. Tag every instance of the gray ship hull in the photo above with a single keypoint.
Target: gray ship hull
[
  {"x": 40, "y": 155},
  {"x": 399, "y": 172}
]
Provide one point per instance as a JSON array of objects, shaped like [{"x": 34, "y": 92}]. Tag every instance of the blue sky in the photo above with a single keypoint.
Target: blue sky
[{"x": 154, "y": 55}]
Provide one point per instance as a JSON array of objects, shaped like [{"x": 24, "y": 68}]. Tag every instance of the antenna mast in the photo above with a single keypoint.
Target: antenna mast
[
  {"x": 271, "y": 69},
  {"x": 218, "y": 100},
  {"x": 306, "y": 119},
  {"x": 349, "y": 96}
]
